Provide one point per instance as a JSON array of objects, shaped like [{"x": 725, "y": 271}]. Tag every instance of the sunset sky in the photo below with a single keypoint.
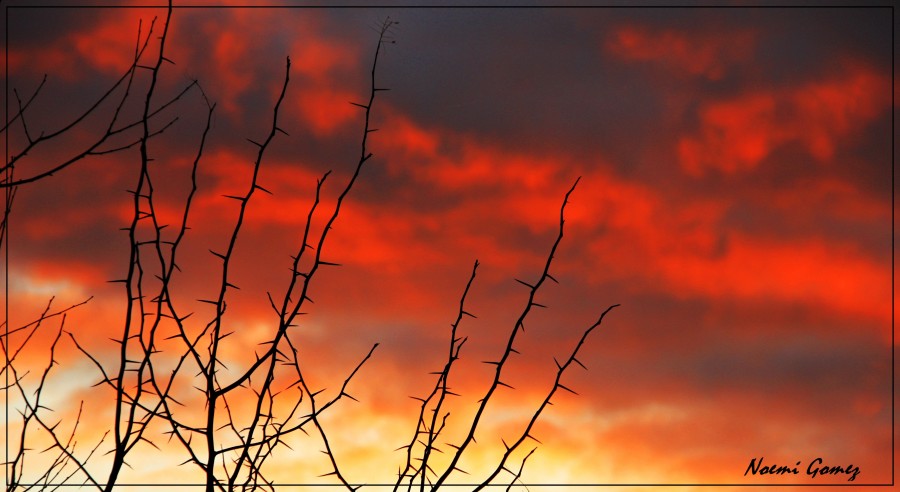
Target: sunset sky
[{"x": 735, "y": 198}]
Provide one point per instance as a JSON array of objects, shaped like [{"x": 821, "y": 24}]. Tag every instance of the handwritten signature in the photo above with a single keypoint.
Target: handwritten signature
[{"x": 816, "y": 468}]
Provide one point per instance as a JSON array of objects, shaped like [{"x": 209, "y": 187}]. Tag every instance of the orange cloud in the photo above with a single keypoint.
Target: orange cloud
[
  {"x": 697, "y": 54},
  {"x": 738, "y": 134},
  {"x": 712, "y": 448}
]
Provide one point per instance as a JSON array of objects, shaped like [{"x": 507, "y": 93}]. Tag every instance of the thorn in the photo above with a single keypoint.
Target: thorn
[
  {"x": 565, "y": 388},
  {"x": 359, "y": 105},
  {"x": 526, "y": 284},
  {"x": 533, "y": 438},
  {"x": 255, "y": 143}
]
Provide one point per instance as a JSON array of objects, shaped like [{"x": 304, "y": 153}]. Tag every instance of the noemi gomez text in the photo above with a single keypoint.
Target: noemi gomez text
[{"x": 816, "y": 468}]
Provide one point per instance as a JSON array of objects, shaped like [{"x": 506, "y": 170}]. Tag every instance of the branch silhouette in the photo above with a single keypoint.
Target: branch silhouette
[
  {"x": 165, "y": 351},
  {"x": 66, "y": 463},
  {"x": 114, "y": 128},
  {"x": 432, "y": 421}
]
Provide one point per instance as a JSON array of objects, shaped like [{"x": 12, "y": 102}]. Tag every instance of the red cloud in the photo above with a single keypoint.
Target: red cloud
[
  {"x": 292, "y": 185},
  {"x": 325, "y": 109},
  {"x": 642, "y": 233},
  {"x": 105, "y": 42},
  {"x": 808, "y": 271},
  {"x": 408, "y": 137},
  {"x": 458, "y": 161},
  {"x": 110, "y": 46},
  {"x": 697, "y": 54},
  {"x": 830, "y": 197},
  {"x": 737, "y": 134},
  {"x": 684, "y": 249},
  {"x": 320, "y": 58},
  {"x": 328, "y": 80}
]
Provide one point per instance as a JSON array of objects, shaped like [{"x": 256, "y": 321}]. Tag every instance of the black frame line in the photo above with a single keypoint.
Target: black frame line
[{"x": 887, "y": 5}]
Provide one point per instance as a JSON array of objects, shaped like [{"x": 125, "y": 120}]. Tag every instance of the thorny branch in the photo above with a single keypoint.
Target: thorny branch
[
  {"x": 114, "y": 128},
  {"x": 432, "y": 420},
  {"x": 15, "y": 161},
  {"x": 65, "y": 464},
  {"x": 265, "y": 431},
  {"x": 145, "y": 392},
  {"x": 428, "y": 426},
  {"x": 291, "y": 309},
  {"x": 129, "y": 426}
]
